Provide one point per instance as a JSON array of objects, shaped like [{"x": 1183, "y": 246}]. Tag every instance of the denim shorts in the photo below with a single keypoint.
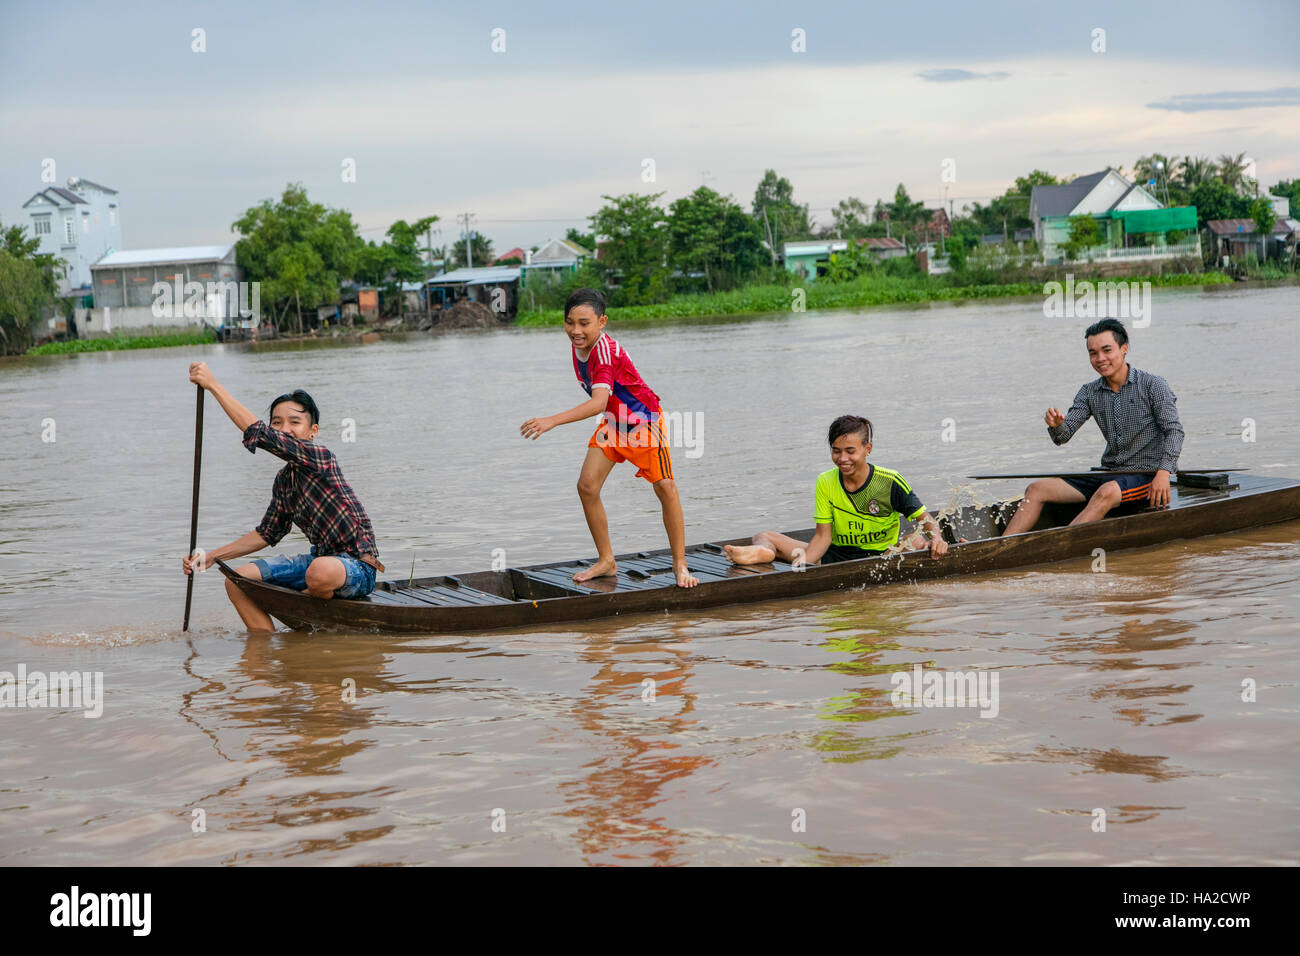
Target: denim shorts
[{"x": 292, "y": 573}]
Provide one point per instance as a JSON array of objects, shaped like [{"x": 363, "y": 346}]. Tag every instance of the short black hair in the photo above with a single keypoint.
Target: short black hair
[
  {"x": 303, "y": 399},
  {"x": 1108, "y": 325},
  {"x": 592, "y": 297},
  {"x": 849, "y": 424}
]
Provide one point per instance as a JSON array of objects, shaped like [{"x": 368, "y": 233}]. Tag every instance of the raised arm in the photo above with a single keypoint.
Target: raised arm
[
  {"x": 202, "y": 376},
  {"x": 257, "y": 434}
]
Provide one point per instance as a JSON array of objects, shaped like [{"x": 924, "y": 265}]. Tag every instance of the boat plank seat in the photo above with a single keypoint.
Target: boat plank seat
[
  {"x": 441, "y": 595},
  {"x": 390, "y": 599}
]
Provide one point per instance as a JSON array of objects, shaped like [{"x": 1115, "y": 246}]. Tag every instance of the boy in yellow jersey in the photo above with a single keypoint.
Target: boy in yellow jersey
[
  {"x": 632, "y": 430},
  {"x": 857, "y": 508}
]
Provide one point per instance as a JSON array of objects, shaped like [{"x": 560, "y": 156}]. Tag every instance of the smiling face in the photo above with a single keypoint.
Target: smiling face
[
  {"x": 1106, "y": 357},
  {"x": 292, "y": 419},
  {"x": 849, "y": 452},
  {"x": 584, "y": 326}
]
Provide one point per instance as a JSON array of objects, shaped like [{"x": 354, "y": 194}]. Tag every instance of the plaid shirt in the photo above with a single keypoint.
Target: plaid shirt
[
  {"x": 311, "y": 492},
  {"x": 1140, "y": 422}
]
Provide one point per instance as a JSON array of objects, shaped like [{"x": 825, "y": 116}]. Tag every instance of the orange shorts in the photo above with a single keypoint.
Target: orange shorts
[{"x": 645, "y": 446}]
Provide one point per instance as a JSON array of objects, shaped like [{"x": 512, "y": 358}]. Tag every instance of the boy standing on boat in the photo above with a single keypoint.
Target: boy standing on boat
[
  {"x": 857, "y": 508},
  {"x": 632, "y": 430},
  {"x": 1138, "y": 415},
  {"x": 309, "y": 491}
]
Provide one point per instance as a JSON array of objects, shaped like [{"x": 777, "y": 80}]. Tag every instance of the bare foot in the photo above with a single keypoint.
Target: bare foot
[
  {"x": 684, "y": 577},
  {"x": 748, "y": 553},
  {"x": 602, "y": 568}
]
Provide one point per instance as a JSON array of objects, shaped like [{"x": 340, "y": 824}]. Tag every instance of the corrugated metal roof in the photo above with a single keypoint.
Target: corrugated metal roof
[
  {"x": 1231, "y": 227},
  {"x": 147, "y": 257},
  {"x": 477, "y": 276}
]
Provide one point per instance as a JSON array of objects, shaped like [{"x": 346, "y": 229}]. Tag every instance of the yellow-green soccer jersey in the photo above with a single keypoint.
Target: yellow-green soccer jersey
[{"x": 868, "y": 518}]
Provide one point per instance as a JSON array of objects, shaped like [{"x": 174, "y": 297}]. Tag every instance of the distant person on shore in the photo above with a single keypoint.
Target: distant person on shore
[
  {"x": 856, "y": 507},
  {"x": 632, "y": 430},
  {"x": 309, "y": 491},
  {"x": 1138, "y": 416}
]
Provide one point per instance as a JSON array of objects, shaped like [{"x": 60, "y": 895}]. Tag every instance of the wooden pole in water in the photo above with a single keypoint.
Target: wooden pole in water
[{"x": 194, "y": 508}]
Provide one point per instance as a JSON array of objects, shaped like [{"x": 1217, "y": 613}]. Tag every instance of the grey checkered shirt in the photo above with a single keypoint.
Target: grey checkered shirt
[{"x": 1140, "y": 422}]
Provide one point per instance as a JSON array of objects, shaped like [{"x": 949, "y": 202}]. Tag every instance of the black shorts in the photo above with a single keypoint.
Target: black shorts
[
  {"x": 1133, "y": 487},
  {"x": 839, "y": 552}
]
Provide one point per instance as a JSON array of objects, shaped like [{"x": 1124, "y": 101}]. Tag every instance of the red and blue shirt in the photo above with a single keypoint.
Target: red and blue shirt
[{"x": 631, "y": 402}]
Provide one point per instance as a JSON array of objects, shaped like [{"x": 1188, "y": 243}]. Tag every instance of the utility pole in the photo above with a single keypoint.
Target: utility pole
[
  {"x": 770, "y": 246},
  {"x": 468, "y": 236}
]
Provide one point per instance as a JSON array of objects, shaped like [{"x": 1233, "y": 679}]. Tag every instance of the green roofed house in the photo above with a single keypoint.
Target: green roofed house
[
  {"x": 811, "y": 258},
  {"x": 1133, "y": 223}
]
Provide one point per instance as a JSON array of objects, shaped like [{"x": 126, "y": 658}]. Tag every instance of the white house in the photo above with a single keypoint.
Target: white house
[
  {"x": 1123, "y": 209},
  {"x": 79, "y": 224},
  {"x": 556, "y": 255}
]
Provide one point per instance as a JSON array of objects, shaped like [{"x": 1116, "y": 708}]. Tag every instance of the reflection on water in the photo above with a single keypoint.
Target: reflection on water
[{"x": 760, "y": 734}]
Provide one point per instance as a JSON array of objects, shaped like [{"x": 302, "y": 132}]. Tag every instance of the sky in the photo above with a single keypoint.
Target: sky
[{"x": 525, "y": 114}]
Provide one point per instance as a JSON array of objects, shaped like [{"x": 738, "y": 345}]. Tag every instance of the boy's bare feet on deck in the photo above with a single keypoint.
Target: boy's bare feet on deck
[
  {"x": 684, "y": 577},
  {"x": 602, "y": 568},
  {"x": 748, "y": 553}
]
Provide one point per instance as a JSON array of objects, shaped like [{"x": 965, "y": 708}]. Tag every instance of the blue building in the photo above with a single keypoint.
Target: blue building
[{"x": 79, "y": 225}]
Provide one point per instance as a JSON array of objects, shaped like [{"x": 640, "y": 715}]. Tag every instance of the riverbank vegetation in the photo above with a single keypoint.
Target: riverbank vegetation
[
  {"x": 109, "y": 343},
  {"x": 860, "y": 292}
]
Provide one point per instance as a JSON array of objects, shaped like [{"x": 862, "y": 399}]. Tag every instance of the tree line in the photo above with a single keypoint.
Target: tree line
[{"x": 647, "y": 251}]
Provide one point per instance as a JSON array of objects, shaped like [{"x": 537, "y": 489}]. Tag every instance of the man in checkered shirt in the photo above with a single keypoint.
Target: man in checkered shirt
[{"x": 1138, "y": 415}]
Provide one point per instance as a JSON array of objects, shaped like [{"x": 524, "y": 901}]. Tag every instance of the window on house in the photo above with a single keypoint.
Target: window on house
[
  {"x": 69, "y": 230},
  {"x": 42, "y": 226},
  {"x": 85, "y": 222},
  {"x": 112, "y": 215}
]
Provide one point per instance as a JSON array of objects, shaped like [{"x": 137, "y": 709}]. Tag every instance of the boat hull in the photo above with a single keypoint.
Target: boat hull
[{"x": 543, "y": 594}]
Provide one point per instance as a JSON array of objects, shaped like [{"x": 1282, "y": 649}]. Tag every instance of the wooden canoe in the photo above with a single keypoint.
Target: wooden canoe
[{"x": 546, "y": 593}]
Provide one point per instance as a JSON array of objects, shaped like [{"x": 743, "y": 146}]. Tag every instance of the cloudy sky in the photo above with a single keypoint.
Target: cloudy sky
[{"x": 530, "y": 136}]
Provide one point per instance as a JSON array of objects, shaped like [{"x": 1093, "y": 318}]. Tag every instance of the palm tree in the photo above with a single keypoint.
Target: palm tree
[
  {"x": 1194, "y": 171},
  {"x": 1231, "y": 170}
]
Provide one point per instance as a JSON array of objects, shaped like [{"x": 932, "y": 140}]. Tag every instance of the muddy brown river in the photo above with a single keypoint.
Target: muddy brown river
[{"x": 1159, "y": 696}]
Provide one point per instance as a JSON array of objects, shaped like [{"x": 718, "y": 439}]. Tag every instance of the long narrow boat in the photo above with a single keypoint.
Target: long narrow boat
[{"x": 546, "y": 593}]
